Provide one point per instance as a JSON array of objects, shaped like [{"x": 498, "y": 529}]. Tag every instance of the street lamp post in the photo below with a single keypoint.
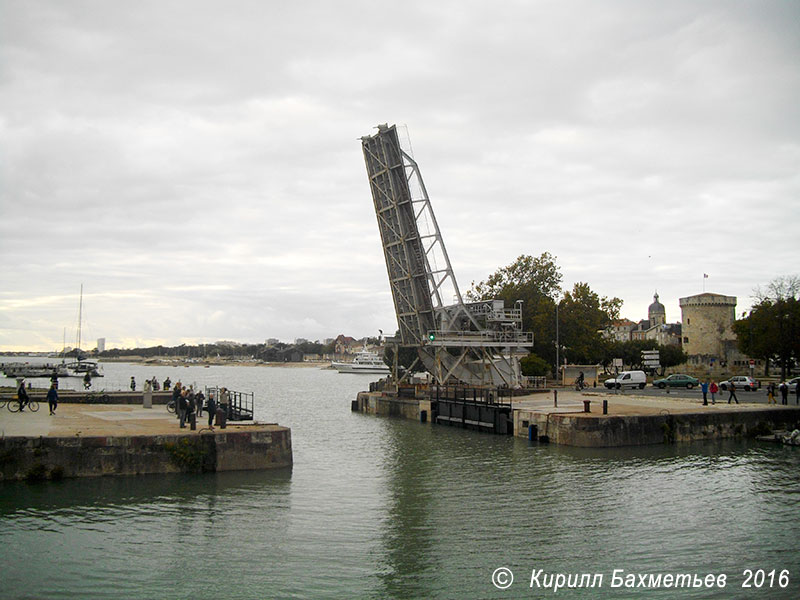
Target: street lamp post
[{"x": 558, "y": 364}]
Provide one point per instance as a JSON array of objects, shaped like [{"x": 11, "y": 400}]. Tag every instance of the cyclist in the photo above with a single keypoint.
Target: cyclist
[
  {"x": 579, "y": 382},
  {"x": 22, "y": 395}
]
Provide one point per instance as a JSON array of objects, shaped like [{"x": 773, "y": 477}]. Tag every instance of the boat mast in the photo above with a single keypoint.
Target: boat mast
[{"x": 80, "y": 318}]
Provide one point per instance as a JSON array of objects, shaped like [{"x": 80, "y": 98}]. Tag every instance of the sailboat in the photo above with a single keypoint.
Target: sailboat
[{"x": 81, "y": 367}]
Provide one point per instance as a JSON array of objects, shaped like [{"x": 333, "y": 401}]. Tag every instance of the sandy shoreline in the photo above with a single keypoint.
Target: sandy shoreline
[{"x": 169, "y": 362}]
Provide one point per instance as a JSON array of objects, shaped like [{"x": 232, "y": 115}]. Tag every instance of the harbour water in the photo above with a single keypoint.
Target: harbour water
[{"x": 389, "y": 508}]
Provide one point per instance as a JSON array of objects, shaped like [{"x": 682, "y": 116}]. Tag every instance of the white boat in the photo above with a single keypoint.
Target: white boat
[{"x": 364, "y": 362}]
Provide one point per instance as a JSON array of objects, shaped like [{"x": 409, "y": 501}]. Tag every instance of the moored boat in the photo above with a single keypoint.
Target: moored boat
[{"x": 364, "y": 362}]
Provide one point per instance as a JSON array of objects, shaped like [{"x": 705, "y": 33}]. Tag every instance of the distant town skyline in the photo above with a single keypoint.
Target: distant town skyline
[{"x": 199, "y": 169}]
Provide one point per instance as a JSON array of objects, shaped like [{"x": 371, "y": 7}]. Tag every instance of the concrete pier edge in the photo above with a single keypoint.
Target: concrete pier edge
[{"x": 573, "y": 427}]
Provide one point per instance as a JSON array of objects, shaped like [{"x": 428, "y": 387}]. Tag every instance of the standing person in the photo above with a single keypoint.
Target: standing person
[
  {"x": 211, "y": 407},
  {"x": 224, "y": 398},
  {"x": 713, "y": 388},
  {"x": 797, "y": 392},
  {"x": 167, "y": 383},
  {"x": 155, "y": 384},
  {"x": 176, "y": 396},
  {"x": 199, "y": 398},
  {"x": 133, "y": 384},
  {"x": 704, "y": 389},
  {"x": 183, "y": 406},
  {"x": 732, "y": 389},
  {"x": 87, "y": 380},
  {"x": 784, "y": 393},
  {"x": 771, "y": 393},
  {"x": 22, "y": 395},
  {"x": 52, "y": 398},
  {"x": 191, "y": 407}
]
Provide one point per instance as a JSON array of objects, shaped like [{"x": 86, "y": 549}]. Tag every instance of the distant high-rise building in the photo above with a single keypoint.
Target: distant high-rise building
[{"x": 101, "y": 344}]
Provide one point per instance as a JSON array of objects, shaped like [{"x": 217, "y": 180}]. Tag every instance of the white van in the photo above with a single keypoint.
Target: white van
[{"x": 631, "y": 379}]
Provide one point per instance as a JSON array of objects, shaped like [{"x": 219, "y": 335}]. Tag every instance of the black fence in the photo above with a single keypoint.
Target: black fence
[{"x": 240, "y": 404}]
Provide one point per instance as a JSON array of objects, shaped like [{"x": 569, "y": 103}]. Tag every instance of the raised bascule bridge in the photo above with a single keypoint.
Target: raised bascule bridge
[{"x": 473, "y": 347}]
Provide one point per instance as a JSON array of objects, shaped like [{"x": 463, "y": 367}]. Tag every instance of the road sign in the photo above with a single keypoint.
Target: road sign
[{"x": 651, "y": 363}]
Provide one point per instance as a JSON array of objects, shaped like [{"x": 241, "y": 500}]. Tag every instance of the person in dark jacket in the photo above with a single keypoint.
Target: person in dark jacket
[
  {"x": 52, "y": 398},
  {"x": 176, "y": 397},
  {"x": 784, "y": 393},
  {"x": 211, "y": 407},
  {"x": 732, "y": 390},
  {"x": 22, "y": 395},
  {"x": 183, "y": 407}
]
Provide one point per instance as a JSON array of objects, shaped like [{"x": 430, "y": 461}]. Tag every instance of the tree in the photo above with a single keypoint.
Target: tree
[
  {"x": 535, "y": 281},
  {"x": 533, "y": 366},
  {"x": 582, "y": 317},
  {"x": 772, "y": 328}
]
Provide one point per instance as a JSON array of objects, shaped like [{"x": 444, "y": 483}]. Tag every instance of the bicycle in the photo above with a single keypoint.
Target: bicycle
[
  {"x": 171, "y": 407},
  {"x": 15, "y": 405}
]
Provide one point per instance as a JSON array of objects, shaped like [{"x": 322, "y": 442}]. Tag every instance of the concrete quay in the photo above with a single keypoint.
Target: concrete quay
[
  {"x": 635, "y": 420},
  {"x": 121, "y": 439},
  {"x": 631, "y": 419}
]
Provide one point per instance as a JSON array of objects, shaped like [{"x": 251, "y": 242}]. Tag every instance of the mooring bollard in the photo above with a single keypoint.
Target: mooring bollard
[
  {"x": 555, "y": 398},
  {"x": 605, "y": 407}
]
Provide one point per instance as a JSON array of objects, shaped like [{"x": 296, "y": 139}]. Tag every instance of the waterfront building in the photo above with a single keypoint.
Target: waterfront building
[{"x": 654, "y": 327}]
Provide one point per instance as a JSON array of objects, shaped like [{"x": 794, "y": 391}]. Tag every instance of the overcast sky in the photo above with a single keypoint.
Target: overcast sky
[{"x": 196, "y": 165}]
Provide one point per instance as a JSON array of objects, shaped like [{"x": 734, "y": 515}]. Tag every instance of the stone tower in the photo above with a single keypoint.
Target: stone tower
[{"x": 707, "y": 327}]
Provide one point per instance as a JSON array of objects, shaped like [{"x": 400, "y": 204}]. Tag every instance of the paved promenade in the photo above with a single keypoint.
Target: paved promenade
[
  {"x": 101, "y": 420},
  {"x": 628, "y": 403}
]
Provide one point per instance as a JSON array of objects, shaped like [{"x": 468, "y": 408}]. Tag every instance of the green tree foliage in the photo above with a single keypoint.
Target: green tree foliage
[
  {"x": 537, "y": 282},
  {"x": 772, "y": 328},
  {"x": 533, "y": 366},
  {"x": 672, "y": 356},
  {"x": 582, "y": 317}
]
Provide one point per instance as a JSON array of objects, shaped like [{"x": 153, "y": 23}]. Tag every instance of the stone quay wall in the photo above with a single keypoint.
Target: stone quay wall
[
  {"x": 641, "y": 430},
  {"x": 34, "y": 458}
]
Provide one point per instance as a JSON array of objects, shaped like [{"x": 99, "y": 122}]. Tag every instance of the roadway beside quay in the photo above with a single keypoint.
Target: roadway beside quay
[{"x": 127, "y": 439}]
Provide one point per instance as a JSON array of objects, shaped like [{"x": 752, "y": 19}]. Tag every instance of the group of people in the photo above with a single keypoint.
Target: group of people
[
  {"x": 713, "y": 389},
  {"x": 24, "y": 399},
  {"x": 189, "y": 404},
  {"x": 783, "y": 388}
]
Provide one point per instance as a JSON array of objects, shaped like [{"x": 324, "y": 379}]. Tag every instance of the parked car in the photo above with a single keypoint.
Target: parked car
[
  {"x": 742, "y": 382},
  {"x": 631, "y": 379},
  {"x": 677, "y": 380},
  {"x": 792, "y": 383}
]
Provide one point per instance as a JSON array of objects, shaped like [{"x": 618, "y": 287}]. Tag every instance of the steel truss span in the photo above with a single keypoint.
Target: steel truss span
[{"x": 477, "y": 343}]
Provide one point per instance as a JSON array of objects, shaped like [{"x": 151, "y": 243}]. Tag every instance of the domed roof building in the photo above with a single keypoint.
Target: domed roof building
[{"x": 656, "y": 313}]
